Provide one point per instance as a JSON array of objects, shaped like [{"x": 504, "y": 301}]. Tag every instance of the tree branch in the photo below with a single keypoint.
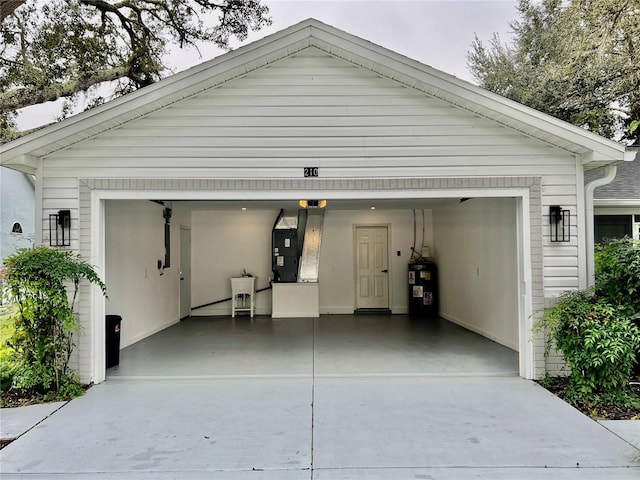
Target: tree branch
[{"x": 28, "y": 96}]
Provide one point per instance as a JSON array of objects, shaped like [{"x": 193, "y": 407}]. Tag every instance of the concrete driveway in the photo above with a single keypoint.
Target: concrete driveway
[
  {"x": 301, "y": 427},
  {"x": 339, "y": 397}
]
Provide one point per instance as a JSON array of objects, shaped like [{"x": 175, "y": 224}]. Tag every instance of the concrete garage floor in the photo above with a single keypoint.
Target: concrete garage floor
[
  {"x": 331, "y": 345},
  {"x": 352, "y": 407}
]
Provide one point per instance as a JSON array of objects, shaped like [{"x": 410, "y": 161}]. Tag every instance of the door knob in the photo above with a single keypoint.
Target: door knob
[{"x": 385, "y": 271}]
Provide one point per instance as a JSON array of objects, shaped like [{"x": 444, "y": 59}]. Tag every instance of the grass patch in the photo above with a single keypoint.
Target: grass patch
[
  {"x": 7, "y": 360},
  {"x": 7, "y": 329}
]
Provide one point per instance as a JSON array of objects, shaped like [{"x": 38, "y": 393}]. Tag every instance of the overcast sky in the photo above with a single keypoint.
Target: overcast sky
[{"x": 438, "y": 33}]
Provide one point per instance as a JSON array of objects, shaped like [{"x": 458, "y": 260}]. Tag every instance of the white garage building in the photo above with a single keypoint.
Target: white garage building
[{"x": 445, "y": 164}]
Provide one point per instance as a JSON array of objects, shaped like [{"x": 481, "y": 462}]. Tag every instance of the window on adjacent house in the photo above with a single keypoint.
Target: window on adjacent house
[
  {"x": 608, "y": 227},
  {"x": 17, "y": 228}
]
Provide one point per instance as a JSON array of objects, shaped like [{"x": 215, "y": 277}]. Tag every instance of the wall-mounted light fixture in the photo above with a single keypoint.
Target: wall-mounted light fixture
[
  {"x": 313, "y": 203},
  {"x": 60, "y": 229},
  {"x": 559, "y": 224}
]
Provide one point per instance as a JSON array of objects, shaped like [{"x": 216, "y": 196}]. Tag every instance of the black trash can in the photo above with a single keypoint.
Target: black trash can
[{"x": 113, "y": 339}]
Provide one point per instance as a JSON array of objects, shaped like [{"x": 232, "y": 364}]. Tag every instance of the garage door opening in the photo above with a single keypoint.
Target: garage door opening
[{"x": 475, "y": 243}]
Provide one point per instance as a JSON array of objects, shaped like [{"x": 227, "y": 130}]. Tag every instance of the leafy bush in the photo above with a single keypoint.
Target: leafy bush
[
  {"x": 7, "y": 364},
  {"x": 618, "y": 274},
  {"x": 595, "y": 330},
  {"x": 36, "y": 280},
  {"x": 598, "y": 342},
  {"x": 7, "y": 371}
]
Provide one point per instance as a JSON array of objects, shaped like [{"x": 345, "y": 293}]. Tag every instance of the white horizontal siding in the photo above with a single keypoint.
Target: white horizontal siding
[
  {"x": 430, "y": 145},
  {"x": 319, "y": 108},
  {"x": 318, "y": 123},
  {"x": 566, "y": 188},
  {"x": 383, "y": 157},
  {"x": 561, "y": 259},
  {"x": 179, "y": 171},
  {"x": 320, "y": 111},
  {"x": 60, "y": 193},
  {"x": 561, "y": 180}
]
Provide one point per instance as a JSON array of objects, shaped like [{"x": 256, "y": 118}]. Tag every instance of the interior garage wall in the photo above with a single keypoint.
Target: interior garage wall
[
  {"x": 223, "y": 244},
  {"x": 226, "y": 242},
  {"x": 337, "y": 294},
  {"x": 145, "y": 297},
  {"x": 475, "y": 247}
]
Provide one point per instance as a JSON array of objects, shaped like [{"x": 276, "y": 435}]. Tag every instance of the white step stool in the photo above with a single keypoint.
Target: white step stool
[{"x": 243, "y": 295}]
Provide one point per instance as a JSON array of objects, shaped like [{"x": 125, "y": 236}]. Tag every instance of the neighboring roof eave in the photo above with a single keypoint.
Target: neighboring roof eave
[
  {"x": 593, "y": 149},
  {"x": 619, "y": 202}
]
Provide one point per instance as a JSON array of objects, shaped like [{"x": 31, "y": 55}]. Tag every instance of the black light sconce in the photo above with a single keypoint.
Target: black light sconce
[
  {"x": 60, "y": 229},
  {"x": 559, "y": 223}
]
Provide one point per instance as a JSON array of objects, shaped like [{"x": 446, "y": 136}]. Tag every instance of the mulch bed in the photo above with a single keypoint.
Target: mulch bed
[
  {"x": 11, "y": 399},
  {"x": 558, "y": 386}
]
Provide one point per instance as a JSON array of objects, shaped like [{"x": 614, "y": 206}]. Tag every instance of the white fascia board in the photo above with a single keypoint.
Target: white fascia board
[
  {"x": 611, "y": 202},
  {"x": 597, "y": 159},
  {"x": 24, "y": 163}
]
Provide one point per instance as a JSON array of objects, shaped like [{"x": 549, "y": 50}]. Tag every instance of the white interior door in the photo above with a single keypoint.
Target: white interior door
[
  {"x": 372, "y": 267},
  {"x": 185, "y": 272}
]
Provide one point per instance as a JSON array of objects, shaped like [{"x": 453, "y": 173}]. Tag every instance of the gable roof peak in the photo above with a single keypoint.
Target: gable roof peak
[{"x": 594, "y": 150}]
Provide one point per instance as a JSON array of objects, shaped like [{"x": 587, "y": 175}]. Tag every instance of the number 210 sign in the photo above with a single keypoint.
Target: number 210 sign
[{"x": 310, "y": 171}]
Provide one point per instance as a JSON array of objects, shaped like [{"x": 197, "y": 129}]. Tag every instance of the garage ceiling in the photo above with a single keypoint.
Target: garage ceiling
[{"x": 346, "y": 204}]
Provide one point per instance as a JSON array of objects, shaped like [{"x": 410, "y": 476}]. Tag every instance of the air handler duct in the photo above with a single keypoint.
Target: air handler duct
[
  {"x": 296, "y": 241},
  {"x": 286, "y": 240}
]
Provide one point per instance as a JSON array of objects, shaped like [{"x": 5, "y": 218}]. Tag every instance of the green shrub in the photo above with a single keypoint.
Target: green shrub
[
  {"x": 595, "y": 330},
  {"x": 36, "y": 282},
  {"x": 599, "y": 344},
  {"x": 7, "y": 363},
  {"x": 7, "y": 371},
  {"x": 617, "y": 273}
]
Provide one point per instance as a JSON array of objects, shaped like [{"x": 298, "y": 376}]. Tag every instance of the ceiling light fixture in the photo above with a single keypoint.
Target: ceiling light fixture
[{"x": 312, "y": 203}]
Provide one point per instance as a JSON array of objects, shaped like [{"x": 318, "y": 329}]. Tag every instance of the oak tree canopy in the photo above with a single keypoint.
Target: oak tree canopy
[
  {"x": 578, "y": 60},
  {"x": 51, "y": 49}
]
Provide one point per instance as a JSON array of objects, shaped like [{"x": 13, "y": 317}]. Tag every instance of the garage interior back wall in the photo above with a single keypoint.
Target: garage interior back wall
[{"x": 226, "y": 242}]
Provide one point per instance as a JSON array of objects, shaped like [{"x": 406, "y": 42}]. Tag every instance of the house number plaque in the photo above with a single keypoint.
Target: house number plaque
[{"x": 310, "y": 171}]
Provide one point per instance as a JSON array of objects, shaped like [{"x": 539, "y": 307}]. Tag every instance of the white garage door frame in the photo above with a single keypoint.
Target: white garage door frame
[{"x": 526, "y": 191}]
